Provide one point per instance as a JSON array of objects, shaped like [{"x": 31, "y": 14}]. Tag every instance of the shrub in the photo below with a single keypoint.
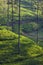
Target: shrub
[{"x": 29, "y": 27}]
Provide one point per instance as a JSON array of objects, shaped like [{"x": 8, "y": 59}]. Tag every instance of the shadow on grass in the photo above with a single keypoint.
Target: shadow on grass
[{"x": 9, "y": 54}]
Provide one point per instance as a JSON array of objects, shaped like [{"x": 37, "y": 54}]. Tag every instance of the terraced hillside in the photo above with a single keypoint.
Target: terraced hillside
[
  {"x": 28, "y": 8},
  {"x": 30, "y": 53}
]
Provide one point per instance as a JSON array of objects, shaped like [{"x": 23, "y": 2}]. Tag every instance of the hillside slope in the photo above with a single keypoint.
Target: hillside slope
[
  {"x": 30, "y": 52},
  {"x": 27, "y": 8}
]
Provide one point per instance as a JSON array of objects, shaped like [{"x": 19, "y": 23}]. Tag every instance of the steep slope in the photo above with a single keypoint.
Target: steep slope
[{"x": 29, "y": 50}]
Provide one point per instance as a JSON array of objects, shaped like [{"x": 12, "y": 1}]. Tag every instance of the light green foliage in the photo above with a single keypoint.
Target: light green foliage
[
  {"x": 29, "y": 50},
  {"x": 6, "y": 34},
  {"x": 30, "y": 12},
  {"x": 26, "y": 12},
  {"x": 5, "y": 27}
]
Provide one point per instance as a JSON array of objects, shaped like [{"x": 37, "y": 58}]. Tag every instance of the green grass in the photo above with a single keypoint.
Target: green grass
[
  {"x": 29, "y": 50},
  {"x": 5, "y": 27},
  {"x": 6, "y": 34}
]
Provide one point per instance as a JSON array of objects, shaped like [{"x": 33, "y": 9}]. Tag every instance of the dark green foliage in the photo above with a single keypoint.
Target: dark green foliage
[{"x": 30, "y": 27}]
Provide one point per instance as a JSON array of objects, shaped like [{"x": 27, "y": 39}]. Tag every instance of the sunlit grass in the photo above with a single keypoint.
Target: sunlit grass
[
  {"x": 8, "y": 48},
  {"x": 26, "y": 12}
]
